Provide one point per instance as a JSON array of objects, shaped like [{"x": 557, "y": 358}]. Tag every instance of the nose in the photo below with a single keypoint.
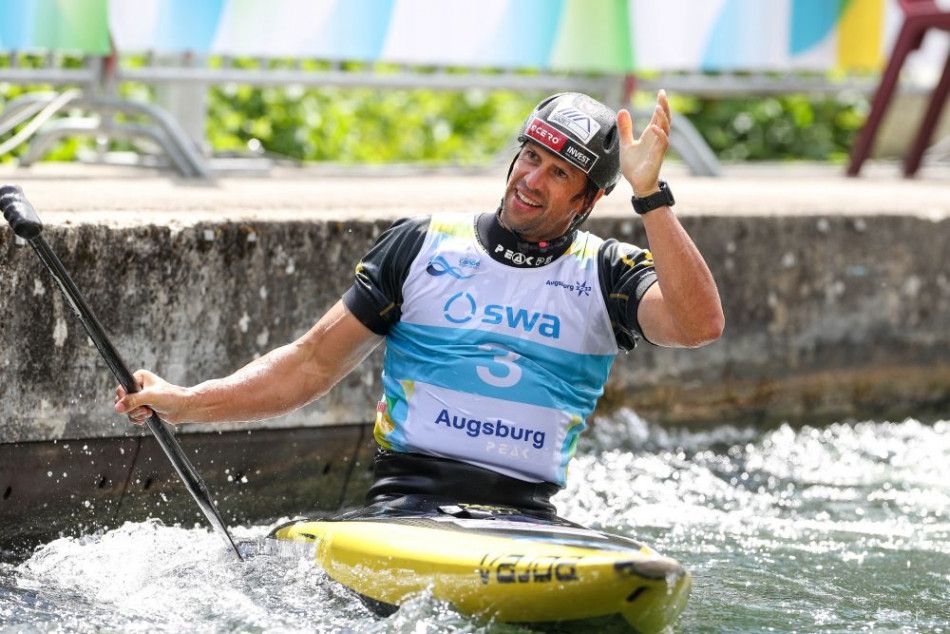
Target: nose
[{"x": 533, "y": 178}]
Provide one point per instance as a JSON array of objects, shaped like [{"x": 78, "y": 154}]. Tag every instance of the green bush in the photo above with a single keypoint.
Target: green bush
[
  {"x": 789, "y": 127},
  {"x": 362, "y": 125},
  {"x": 382, "y": 126},
  {"x": 356, "y": 125}
]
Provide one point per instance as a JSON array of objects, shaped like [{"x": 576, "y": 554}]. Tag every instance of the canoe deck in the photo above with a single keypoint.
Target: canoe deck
[{"x": 496, "y": 563}]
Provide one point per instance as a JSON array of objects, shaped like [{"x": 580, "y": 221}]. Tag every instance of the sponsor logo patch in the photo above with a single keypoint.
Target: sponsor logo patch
[
  {"x": 521, "y": 259},
  {"x": 439, "y": 266},
  {"x": 546, "y": 135},
  {"x": 461, "y": 308},
  {"x": 579, "y": 156},
  {"x": 582, "y": 288},
  {"x": 575, "y": 121}
]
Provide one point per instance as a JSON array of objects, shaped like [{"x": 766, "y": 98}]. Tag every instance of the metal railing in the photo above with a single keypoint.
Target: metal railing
[{"x": 98, "y": 78}]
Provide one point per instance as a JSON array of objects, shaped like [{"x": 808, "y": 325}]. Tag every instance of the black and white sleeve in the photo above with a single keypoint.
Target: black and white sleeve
[
  {"x": 376, "y": 295},
  {"x": 626, "y": 272}
]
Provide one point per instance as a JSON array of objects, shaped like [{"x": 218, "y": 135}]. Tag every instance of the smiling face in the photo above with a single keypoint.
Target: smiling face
[{"x": 543, "y": 195}]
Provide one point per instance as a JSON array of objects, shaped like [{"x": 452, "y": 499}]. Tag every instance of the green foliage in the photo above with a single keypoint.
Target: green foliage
[
  {"x": 778, "y": 127},
  {"x": 355, "y": 125},
  {"x": 381, "y": 126},
  {"x": 470, "y": 127}
]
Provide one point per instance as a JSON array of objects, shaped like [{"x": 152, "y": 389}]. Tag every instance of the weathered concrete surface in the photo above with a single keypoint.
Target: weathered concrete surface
[
  {"x": 192, "y": 303},
  {"x": 827, "y": 318},
  {"x": 72, "y": 487},
  {"x": 836, "y": 291}
]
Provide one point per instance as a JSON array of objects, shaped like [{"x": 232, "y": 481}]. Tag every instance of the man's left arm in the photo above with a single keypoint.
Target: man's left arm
[{"x": 682, "y": 309}]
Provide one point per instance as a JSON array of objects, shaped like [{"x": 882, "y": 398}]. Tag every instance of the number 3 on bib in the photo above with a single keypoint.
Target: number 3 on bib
[{"x": 510, "y": 372}]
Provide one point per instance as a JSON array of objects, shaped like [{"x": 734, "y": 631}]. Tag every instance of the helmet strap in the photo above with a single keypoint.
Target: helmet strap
[
  {"x": 584, "y": 214},
  {"x": 579, "y": 219},
  {"x": 511, "y": 166}
]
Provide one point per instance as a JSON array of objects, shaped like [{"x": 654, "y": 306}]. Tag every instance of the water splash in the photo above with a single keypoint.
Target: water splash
[
  {"x": 150, "y": 577},
  {"x": 841, "y": 528}
]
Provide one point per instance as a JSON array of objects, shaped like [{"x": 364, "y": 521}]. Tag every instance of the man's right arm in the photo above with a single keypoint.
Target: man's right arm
[
  {"x": 300, "y": 372},
  {"x": 281, "y": 381}
]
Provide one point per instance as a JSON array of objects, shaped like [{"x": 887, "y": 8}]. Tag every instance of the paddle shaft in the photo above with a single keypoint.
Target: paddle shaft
[{"x": 163, "y": 436}]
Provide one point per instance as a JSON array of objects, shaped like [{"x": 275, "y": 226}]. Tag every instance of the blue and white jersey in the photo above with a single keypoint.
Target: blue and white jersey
[{"x": 495, "y": 366}]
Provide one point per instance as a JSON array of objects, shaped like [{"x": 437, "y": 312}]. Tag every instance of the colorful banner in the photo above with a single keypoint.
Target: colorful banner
[
  {"x": 758, "y": 35},
  {"x": 581, "y": 35},
  {"x": 608, "y": 36},
  {"x": 79, "y": 26},
  {"x": 605, "y": 36}
]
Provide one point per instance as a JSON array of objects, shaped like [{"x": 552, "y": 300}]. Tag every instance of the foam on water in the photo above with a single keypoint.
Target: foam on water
[
  {"x": 150, "y": 577},
  {"x": 841, "y": 528}
]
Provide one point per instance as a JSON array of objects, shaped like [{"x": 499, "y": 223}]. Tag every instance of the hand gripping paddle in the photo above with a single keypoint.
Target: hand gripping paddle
[{"x": 26, "y": 224}]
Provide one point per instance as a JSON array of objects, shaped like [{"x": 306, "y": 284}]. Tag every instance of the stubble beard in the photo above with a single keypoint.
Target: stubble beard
[{"x": 529, "y": 224}]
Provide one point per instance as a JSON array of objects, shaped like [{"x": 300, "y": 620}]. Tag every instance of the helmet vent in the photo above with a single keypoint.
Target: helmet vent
[
  {"x": 610, "y": 140},
  {"x": 550, "y": 99}
]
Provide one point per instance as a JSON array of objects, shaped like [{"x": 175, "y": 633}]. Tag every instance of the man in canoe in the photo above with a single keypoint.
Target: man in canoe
[{"x": 500, "y": 328}]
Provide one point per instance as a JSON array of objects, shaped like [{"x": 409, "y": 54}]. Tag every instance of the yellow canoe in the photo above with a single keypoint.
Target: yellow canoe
[{"x": 497, "y": 563}]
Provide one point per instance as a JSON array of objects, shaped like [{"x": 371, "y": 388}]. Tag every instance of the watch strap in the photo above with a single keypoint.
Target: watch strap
[{"x": 661, "y": 198}]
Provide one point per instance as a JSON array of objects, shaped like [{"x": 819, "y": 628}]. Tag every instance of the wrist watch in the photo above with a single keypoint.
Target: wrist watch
[{"x": 662, "y": 198}]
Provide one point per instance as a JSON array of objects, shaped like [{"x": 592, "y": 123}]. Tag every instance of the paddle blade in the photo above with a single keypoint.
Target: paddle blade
[{"x": 19, "y": 212}]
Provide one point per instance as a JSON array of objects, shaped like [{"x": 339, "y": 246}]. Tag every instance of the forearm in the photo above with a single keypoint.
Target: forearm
[
  {"x": 683, "y": 308},
  {"x": 288, "y": 377},
  {"x": 688, "y": 288},
  {"x": 269, "y": 386},
  {"x": 282, "y": 380}
]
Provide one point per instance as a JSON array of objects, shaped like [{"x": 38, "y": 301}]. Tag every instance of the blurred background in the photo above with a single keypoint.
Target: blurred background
[{"x": 430, "y": 82}]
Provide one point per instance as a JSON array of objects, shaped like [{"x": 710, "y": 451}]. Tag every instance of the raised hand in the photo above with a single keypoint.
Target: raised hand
[{"x": 641, "y": 158}]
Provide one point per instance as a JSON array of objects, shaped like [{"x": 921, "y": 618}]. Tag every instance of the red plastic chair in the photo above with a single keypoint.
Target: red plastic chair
[{"x": 919, "y": 16}]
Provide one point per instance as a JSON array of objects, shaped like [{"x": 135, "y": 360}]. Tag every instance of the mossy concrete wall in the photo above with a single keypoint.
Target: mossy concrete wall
[
  {"x": 189, "y": 302},
  {"x": 827, "y": 317}
]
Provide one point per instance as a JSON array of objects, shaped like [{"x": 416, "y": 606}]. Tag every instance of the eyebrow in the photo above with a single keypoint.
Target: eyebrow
[{"x": 562, "y": 163}]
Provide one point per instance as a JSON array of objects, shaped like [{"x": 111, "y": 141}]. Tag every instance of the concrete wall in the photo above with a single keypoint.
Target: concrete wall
[
  {"x": 190, "y": 303},
  {"x": 79, "y": 486},
  {"x": 827, "y": 317}
]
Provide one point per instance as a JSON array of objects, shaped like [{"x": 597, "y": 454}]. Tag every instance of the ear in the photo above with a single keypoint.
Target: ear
[
  {"x": 587, "y": 209},
  {"x": 583, "y": 214}
]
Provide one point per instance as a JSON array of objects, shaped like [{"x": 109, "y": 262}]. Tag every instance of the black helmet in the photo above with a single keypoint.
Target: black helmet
[{"x": 582, "y": 131}]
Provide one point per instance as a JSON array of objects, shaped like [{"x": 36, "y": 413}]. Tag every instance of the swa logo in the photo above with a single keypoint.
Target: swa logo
[{"x": 461, "y": 308}]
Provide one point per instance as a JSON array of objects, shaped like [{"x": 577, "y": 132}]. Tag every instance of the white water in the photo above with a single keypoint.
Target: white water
[{"x": 837, "y": 529}]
